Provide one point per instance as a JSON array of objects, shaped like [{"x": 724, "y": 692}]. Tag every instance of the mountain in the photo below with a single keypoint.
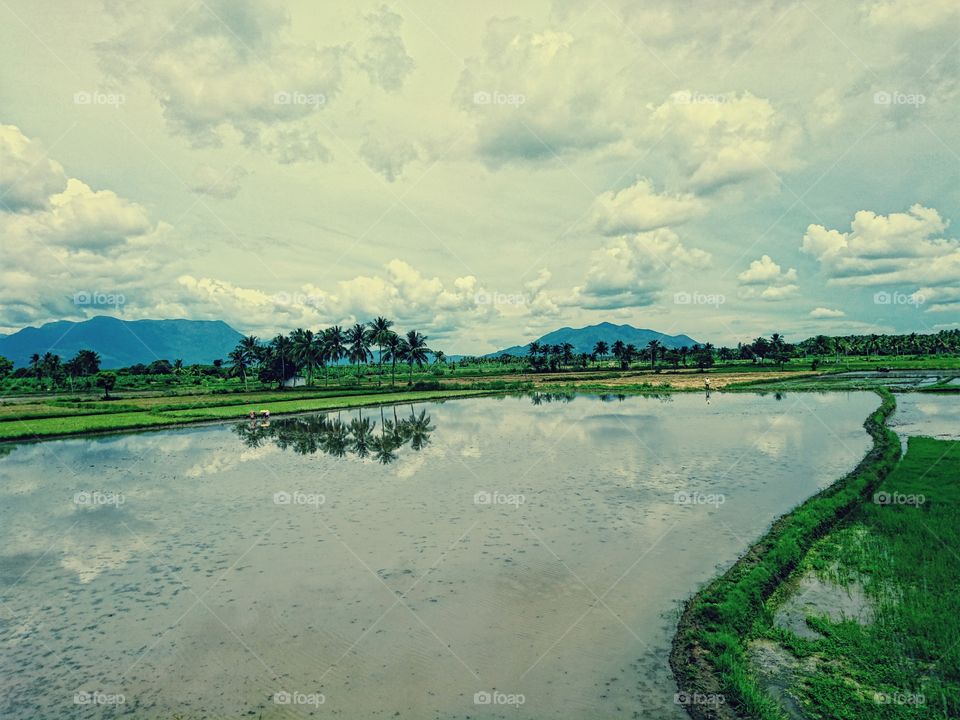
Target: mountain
[
  {"x": 124, "y": 342},
  {"x": 583, "y": 339}
]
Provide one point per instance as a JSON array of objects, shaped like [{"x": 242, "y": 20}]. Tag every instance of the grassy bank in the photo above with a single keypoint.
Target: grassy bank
[
  {"x": 902, "y": 547},
  {"x": 709, "y": 655},
  {"x": 233, "y": 407}
]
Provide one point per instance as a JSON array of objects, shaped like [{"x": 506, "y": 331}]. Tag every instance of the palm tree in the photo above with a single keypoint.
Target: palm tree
[
  {"x": 416, "y": 350},
  {"x": 282, "y": 346},
  {"x": 238, "y": 363},
  {"x": 379, "y": 328},
  {"x": 439, "y": 357},
  {"x": 306, "y": 351},
  {"x": 618, "y": 351},
  {"x": 334, "y": 343},
  {"x": 35, "y": 367},
  {"x": 358, "y": 339},
  {"x": 653, "y": 346},
  {"x": 396, "y": 351},
  {"x": 600, "y": 349}
]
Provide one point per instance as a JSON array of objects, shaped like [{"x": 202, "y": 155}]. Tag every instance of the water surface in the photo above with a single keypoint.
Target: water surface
[{"x": 533, "y": 548}]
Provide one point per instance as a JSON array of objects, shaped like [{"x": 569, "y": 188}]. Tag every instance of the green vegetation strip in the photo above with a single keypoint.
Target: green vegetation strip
[
  {"x": 72, "y": 425},
  {"x": 905, "y": 662},
  {"x": 709, "y": 656}
]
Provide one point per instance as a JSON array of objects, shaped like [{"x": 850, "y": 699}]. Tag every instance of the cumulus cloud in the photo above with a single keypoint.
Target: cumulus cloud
[
  {"x": 822, "y": 313},
  {"x": 896, "y": 249},
  {"x": 401, "y": 292},
  {"x": 765, "y": 280},
  {"x": 633, "y": 271},
  {"x": 228, "y": 69},
  {"x": 639, "y": 208},
  {"x": 85, "y": 240},
  {"x": 725, "y": 139},
  {"x": 534, "y": 94},
  {"x": 27, "y": 176}
]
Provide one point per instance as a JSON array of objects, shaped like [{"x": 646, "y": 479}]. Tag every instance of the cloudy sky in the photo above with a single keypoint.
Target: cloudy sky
[{"x": 485, "y": 172}]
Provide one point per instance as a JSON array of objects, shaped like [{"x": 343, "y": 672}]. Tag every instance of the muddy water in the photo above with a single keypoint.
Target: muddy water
[{"x": 532, "y": 553}]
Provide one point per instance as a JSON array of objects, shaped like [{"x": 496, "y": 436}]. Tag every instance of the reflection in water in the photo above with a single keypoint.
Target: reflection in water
[{"x": 328, "y": 434}]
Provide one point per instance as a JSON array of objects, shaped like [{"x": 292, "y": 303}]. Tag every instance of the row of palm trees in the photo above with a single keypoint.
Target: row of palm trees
[
  {"x": 49, "y": 365},
  {"x": 555, "y": 357},
  {"x": 304, "y": 351}
]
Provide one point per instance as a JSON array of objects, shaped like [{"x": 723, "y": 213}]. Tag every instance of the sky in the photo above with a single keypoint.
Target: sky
[{"x": 483, "y": 172}]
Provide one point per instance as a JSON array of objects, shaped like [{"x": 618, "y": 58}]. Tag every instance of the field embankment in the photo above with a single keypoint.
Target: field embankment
[{"x": 710, "y": 656}]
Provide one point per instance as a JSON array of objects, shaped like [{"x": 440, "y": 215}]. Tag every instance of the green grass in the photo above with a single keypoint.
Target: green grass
[
  {"x": 230, "y": 409},
  {"x": 907, "y": 557},
  {"x": 710, "y": 648}
]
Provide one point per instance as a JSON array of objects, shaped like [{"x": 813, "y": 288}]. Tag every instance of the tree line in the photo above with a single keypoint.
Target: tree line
[{"x": 306, "y": 352}]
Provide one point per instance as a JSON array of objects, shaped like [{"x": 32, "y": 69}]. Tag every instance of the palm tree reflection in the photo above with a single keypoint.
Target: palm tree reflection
[{"x": 328, "y": 434}]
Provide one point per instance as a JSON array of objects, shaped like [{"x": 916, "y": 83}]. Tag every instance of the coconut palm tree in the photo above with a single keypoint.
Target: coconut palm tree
[
  {"x": 335, "y": 344},
  {"x": 395, "y": 352},
  {"x": 282, "y": 346},
  {"x": 306, "y": 351},
  {"x": 36, "y": 368},
  {"x": 358, "y": 345},
  {"x": 416, "y": 350},
  {"x": 379, "y": 329},
  {"x": 600, "y": 350},
  {"x": 653, "y": 347},
  {"x": 238, "y": 363}
]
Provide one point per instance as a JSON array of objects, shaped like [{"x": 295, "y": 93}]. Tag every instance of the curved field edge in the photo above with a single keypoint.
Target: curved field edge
[{"x": 709, "y": 655}]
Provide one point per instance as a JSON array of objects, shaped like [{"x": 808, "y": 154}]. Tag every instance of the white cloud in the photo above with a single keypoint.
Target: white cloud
[
  {"x": 633, "y": 271},
  {"x": 84, "y": 240},
  {"x": 27, "y": 176},
  {"x": 727, "y": 138},
  {"x": 765, "y": 280},
  {"x": 822, "y": 313},
  {"x": 534, "y": 94},
  {"x": 895, "y": 249},
  {"x": 639, "y": 208}
]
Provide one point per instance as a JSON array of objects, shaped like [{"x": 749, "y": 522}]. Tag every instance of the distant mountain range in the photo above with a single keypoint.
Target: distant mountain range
[
  {"x": 583, "y": 339},
  {"x": 124, "y": 342}
]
